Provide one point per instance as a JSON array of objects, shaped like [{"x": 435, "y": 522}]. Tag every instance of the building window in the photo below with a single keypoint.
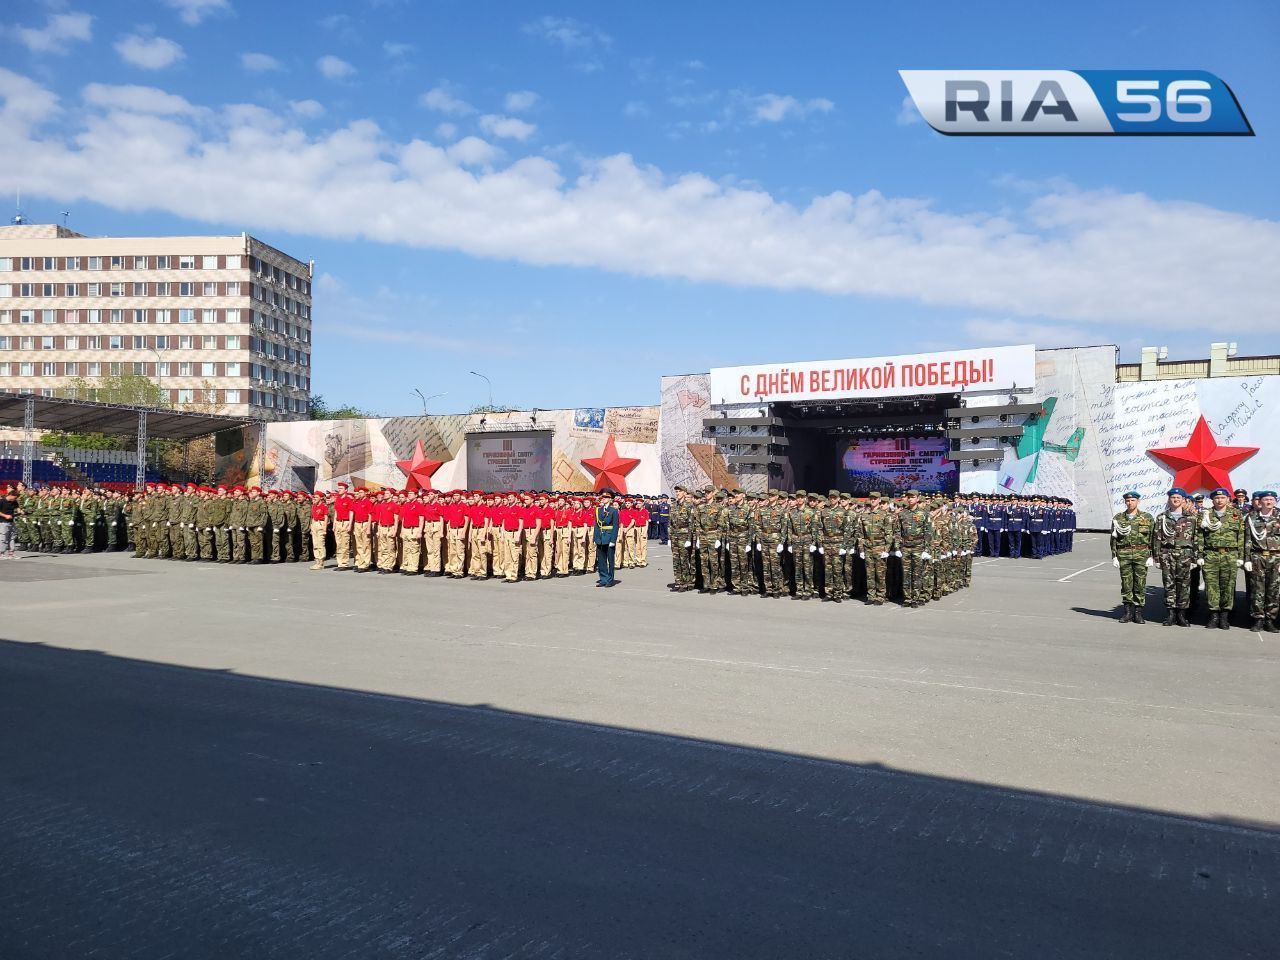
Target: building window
[
  {"x": 115, "y": 368},
  {"x": 186, "y": 289},
  {"x": 208, "y": 316},
  {"x": 46, "y": 343},
  {"x": 162, "y": 263},
  {"x": 28, "y": 343},
  {"x": 184, "y": 343},
  {"x": 209, "y": 263},
  {"x": 117, "y": 316},
  {"x": 6, "y": 263},
  {"x": 139, "y": 316},
  {"x": 48, "y": 316},
  {"x": 24, "y": 263},
  {"x": 186, "y": 263},
  {"x": 232, "y": 396},
  {"x": 48, "y": 369},
  {"x": 162, "y": 343},
  {"x": 73, "y": 263},
  {"x": 208, "y": 369},
  {"x": 6, "y": 289},
  {"x": 95, "y": 316},
  {"x": 95, "y": 263},
  {"x": 71, "y": 343},
  {"x": 46, "y": 290},
  {"x": 162, "y": 368},
  {"x": 233, "y": 343},
  {"x": 211, "y": 343},
  {"x": 117, "y": 263},
  {"x": 233, "y": 288},
  {"x": 4, "y": 343},
  {"x": 71, "y": 316},
  {"x": 233, "y": 316},
  {"x": 186, "y": 395},
  {"x": 139, "y": 289},
  {"x": 184, "y": 368},
  {"x": 162, "y": 316},
  {"x": 94, "y": 289},
  {"x": 139, "y": 263},
  {"x": 139, "y": 343},
  {"x": 24, "y": 290},
  {"x": 93, "y": 343},
  {"x": 26, "y": 316},
  {"x": 164, "y": 289},
  {"x": 94, "y": 368},
  {"x": 233, "y": 369},
  {"x": 71, "y": 369},
  {"x": 26, "y": 369},
  {"x": 186, "y": 316},
  {"x": 233, "y": 262},
  {"x": 115, "y": 343},
  {"x": 139, "y": 369},
  {"x": 4, "y": 370},
  {"x": 72, "y": 290},
  {"x": 117, "y": 289}
]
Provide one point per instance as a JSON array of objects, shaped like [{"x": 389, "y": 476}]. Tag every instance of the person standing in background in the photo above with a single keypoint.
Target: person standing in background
[{"x": 606, "y": 538}]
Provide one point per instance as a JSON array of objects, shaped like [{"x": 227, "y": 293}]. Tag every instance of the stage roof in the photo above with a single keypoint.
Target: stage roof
[{"x": 116, "y": 419}]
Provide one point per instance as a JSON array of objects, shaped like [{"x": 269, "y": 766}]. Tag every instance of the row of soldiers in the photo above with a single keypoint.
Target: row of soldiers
[
  {"x": 63, "y": 520},
  {"x": 806, "y": 545},
  {"x": 1217, "y": 542},
  {"x": 1008, "y": 522}
]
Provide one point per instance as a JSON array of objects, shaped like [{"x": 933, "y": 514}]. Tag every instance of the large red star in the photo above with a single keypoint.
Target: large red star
[
  {"x": 609, "y": 469},
  {"x": 418, "y": 470},
  {"x": 1202, "y": 464}
]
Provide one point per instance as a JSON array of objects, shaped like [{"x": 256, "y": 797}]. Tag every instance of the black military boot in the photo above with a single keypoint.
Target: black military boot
[
  {"x": 1270, "y": 627},
  {"x": 1213, "y": 620},
  {"x": 1258, "y": 625},
  {"x": 1137, "y": 613},
  {"x": 1182, "y": 619},
  {"x": 1170, "y": 619},
  {"x": 1224, "y": 620},
  {"x": 1127, "y": 616}
]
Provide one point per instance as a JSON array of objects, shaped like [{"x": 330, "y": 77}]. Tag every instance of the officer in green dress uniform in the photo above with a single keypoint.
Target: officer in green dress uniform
[{"x": 1220, "y": 554}]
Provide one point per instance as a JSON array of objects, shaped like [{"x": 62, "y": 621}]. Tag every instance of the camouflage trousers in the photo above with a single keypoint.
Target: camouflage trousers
[
  {"x": 1265, "y": 579},
  {"x": 915, "y": 569},
  {"x": 1175, "y": 571},
  {"x": 1220, "y": 579},
  {"x": 877, "y": 571},
  {"x": 1133, "y": 578},
  {"x": 740, "y": 553},
  {"x": 804, "y": 562},
  {"x": 712, "y": 562},
  {"x": 682, "y": 558},
  {"x": 835, "y": 578},
  {"x": 775, "y": 579}
]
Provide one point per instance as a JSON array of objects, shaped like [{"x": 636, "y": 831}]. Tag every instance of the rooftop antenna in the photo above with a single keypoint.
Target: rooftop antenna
[
  {"x": 18, "y": 218},
  {"x": 65, "y": 215}
]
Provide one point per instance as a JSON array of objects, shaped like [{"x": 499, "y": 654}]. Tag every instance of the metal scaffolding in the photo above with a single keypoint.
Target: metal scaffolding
[
  {"x": 140, "y": 477},
  {"x": 28, "y": 439}
]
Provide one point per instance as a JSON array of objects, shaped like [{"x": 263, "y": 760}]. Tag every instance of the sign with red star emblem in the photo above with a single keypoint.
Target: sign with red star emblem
[
  {"x": 1202, "y": 464},
  {"x": 419, "y": 469},
  {"x": 609, "y": 469}
]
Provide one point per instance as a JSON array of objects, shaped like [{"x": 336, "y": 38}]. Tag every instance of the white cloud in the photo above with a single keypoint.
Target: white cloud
[
  {"x": 636, "y": 108},
  {"x": 260, "y": 62},
  {"x": 335, "y": 68},
  {"x": 441, "y": 99},
  {"x": 774, "y": 108},
  {"x": 447, "y": 131},
  {"x": 149, "y": 53},
  {"x": 510, "y": 128},
  {"x": 908, "y": 114},
  {"x": 397, "y": 50},
  {"x": 57, "y": 35},
  {"x": 571, "y": 34},
  {"x": 191, "y": 12},
  {"x": 137, "y": 99},
  {"x": 518, "y": 101},
  {"x": 472, "y": 151},
  {"x": 309, "y": 109},
  {"x": 1041, "y": 333},
  {"x": 1056, "y": 256}
]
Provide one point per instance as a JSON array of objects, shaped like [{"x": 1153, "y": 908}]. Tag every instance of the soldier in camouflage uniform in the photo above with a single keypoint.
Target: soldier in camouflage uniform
[
  {"x": 739, "y": 545},
  {"x": 830, "y": 524},
  {"x": 710, "y": 526},
  {"x": 1219, "y": 554},
  {"x": 256, "y": 522},
  {"x": 190, "y": 501},
  {"x": 302, "y": 527},
  {"x": 1131, "y": 555},
  {"x": 1262, "y": 560},
  {"x": 175, "y": 507},
  {"x": 113, "y": 524},
  {"x": 1173, "y": 546},
  {"x": 913, "y": 534},
  {"x": 91, "y": 512},
  {"x": 237, "y": 524},
  {"x": 681, "y": 527},
  {"x": 276, "y": 536},
  {"x": 770, "y": 529},
  {"x": 875, "y": 536},
  {"x": 800, "y": 542}
]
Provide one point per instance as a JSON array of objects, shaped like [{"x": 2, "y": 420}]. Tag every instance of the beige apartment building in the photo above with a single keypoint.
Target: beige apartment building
[{"x": 221, "y": 324}]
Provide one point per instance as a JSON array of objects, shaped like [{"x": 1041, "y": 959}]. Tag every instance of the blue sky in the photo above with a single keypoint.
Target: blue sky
[{"x": 576, "y": 198}]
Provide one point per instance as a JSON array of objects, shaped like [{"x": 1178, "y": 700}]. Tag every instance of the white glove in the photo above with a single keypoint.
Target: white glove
[
  {"x": 688, "y": 543},
  {"x": 242, "y": 529},
  {"x": 812, "y": 548},
  {"x": 862, "y": 555},
  {"x": 884, "y": 555},
  {"x": 779, "y": 548},
  {"x": 789, "y": 549},
  {"x": 1239, "y": 563},
  {"x": 822, "y": 550},
  {"x": 1150, "y": 562},
  {"x": 717, "y": 544},
  {"x": 1199, "y": 561},
  {"x": 897, "y": 553},
  {"x": 843, "y": 551},
  {"x": 1248, "y": 566},
  {"x": 1115, "y": 561},
  {"x": 698, "y": 543},
  {"x": 747, "y": 548},
  {"x": 759, "y": 548},
  {"x": 926, "y": 556}
]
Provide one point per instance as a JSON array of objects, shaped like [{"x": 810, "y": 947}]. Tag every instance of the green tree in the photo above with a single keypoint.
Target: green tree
[{"x": 320, "y": 410}]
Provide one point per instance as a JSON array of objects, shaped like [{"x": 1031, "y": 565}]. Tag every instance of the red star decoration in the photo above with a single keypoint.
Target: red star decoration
[
  {"x": 419, "y": 469},
  {"x": 609, "y": 469},
  {"x": 1202, "y": 464}
]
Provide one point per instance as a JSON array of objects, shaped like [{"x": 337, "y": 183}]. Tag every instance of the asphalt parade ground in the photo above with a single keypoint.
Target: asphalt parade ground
[{"x": 214, "y": 761}]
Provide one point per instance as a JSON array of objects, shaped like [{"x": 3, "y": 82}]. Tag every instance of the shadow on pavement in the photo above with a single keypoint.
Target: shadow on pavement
[{"x": 149, "y": 810}]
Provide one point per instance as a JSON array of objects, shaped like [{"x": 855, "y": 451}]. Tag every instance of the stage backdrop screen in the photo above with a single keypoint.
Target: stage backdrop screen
[
  {"x": 889, "y": 464},
  {"x": 515, "y": 460}
]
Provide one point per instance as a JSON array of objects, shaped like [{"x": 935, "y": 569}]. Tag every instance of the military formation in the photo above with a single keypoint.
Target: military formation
[
  {"x": 508, "y": 536},
  {"x": 1013, "y": 525},
  {"x": 836, "y": 547},
  {"x": 1191, "y": 541}
]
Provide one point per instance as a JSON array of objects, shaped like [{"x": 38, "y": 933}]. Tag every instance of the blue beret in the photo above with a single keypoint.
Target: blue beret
[
  {"x": 1132, "y": 493},
  {"x": 1265, "y": 493},
  {"x": 1221, "y": 490},
  {"x": 1178, "y": 490}
]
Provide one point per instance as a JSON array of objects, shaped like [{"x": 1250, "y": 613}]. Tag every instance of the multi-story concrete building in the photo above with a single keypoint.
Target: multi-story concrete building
[{"x": 219, "y": 323}]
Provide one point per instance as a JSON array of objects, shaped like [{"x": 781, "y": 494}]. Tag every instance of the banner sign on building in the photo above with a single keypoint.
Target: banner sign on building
[
  {"x": 990, "y": 368},
  {"x": 519, "y": 460},
  {"x": 891, "y": 464}
]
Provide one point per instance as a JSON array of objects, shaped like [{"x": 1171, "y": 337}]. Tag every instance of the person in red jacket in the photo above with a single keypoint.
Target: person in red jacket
[
  {"x": 480, "y": 539},
  {"x": 432, "y": 534},
  {"x": 319, "y": 529},
  {"x": 411, "y": 511},
  {"x": 342, "y": 521},
  {"x": 458, "y": 521},
  {"x": 362, "y": 529},
  {"x": 512, "y": 538},
  {"x": 387, "y": 516}
]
